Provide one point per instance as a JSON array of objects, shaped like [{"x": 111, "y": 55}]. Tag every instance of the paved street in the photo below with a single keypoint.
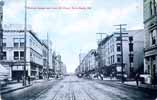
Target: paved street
[{"x": 73, "y": 88}]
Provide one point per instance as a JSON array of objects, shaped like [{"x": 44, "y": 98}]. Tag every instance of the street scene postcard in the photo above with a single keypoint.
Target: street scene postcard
[{"x": 78, "y": 49}]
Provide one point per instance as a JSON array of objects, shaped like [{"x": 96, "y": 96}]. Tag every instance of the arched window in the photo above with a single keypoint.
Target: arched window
[{"x": 153, "y": 37}]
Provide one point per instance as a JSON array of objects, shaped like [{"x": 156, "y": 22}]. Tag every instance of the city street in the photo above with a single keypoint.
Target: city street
[{"x": 73, "y": 88}]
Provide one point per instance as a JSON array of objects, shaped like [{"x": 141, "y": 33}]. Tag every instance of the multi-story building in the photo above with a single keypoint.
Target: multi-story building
[
  {"x": 1, "y": 30},
  {"x": 109, "y": 53},
  {"x": 45, "y": 60},
  {"x": 150, "y": 42},
  {"x": 88, "y": 63},
  {"x": 58, "y": 66},
  {"x": 13, "y": 54}
]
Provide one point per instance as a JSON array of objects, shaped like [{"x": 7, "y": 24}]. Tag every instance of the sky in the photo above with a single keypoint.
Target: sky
[{"x": 73, "y": 31}]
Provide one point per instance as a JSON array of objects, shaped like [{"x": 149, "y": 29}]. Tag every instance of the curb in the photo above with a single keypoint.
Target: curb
[{"x": 11, "y": 90}]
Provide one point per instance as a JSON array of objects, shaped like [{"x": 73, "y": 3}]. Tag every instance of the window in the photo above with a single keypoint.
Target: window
[
  {"x": 130, "y": 38},
  {"x": 4, "y": 56},
  {"x": 130, "y": 47},
  {"x": 131, "y": 58},
  {"x": 21, "y": 55},
  {"x": 4, "y": 44},
  {"x": 153, "y": 57},
  {"x": 153, "y": 37},
  {"x": 16, "y": 55},
  {"x": 118, "y": 48},
  {"x": 118, "y": 58},
  {"x": 118, "y": 38},
  {"x": 148, "y": 70},
  {"x": 22, "y": 42},
  {"x": 16, "y": 42},
  {"x": 113, "y": 58},
  {"x": 151, "y": 10}
]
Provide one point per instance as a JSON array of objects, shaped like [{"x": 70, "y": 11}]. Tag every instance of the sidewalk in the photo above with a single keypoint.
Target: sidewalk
[
  {"x": 130, "y": 83},
  {"x": 13, "y": 86},
  {"x": 142, "y": 86}
]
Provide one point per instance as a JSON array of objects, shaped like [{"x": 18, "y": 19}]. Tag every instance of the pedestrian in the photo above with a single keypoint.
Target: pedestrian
[
  {"x": 29, "y": 79},
  {"x": 137, "y": 77}
]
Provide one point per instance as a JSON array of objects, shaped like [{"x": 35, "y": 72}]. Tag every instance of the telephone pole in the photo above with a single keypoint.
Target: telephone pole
[
  {"x": 48, "y": 56},
  {"x": 101, "y": 36},
  {"x": 25, "y": 44},
  {"x": 1, "y": 29},
  {"x": 121, "y": 44}
]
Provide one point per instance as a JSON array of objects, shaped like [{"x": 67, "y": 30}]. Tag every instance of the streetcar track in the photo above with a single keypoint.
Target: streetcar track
[
  {"x": 54, "y": 97},
  {"x": 88, "y": 94},
  {"x": 43, "y": 91}
]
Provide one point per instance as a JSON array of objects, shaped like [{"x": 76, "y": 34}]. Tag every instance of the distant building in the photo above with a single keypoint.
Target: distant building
[
  {"x": 88, "y": 63},
  {"x": 47, "y": 60},
  {"x": 81, "y": 57},
  {"x": 150, "y": 42},
  {"x": 58, "y": 66},
  {"x": 1, "y": 29}
]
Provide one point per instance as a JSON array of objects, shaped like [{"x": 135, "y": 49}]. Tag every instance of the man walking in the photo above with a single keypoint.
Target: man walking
[{"x": 137, "y": 77}]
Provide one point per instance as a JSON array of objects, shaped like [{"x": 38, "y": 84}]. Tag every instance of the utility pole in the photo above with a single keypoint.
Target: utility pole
[
  {"x": 100, "y": 61},
  {"x": 48, "y": 56},
  {"x": 25, "y": 44},
  {"x": 121, "y": 45},
  {"x": 1, "y": 30},
  {"x": 101, "y": 36}
]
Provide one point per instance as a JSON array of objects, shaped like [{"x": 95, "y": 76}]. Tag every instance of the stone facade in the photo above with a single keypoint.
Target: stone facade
[{"x": 150, "y": 44}]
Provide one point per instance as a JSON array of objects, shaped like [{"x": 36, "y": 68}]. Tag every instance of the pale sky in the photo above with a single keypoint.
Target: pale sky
[{"x": 73, "y": 31}]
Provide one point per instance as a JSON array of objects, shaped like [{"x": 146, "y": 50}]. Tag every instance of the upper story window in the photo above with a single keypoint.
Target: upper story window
[
  {"x": 118, "y": 59},
  {"x": 118, "y": 48},
  {"x": 4, "y": 42},
  {"x": 16, "y": 42},
  {"x": 21, "y": 55},
  {"x": 118, "y": 38},
  {"x": 16, "y": 55},
  {"x": 21, "y": 42},
  {"x": 4, "y": 45},
  {"x": 131, "y": 47},
  {"x": 4, "y": 55},
  {"x": 153, "y": 37},
  {"x": 131, "y": 58},
  {"x": 151, "y": 8}
]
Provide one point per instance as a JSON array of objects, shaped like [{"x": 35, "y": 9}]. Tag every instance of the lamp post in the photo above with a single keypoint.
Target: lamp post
[{"x": 25, "y": 41}]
